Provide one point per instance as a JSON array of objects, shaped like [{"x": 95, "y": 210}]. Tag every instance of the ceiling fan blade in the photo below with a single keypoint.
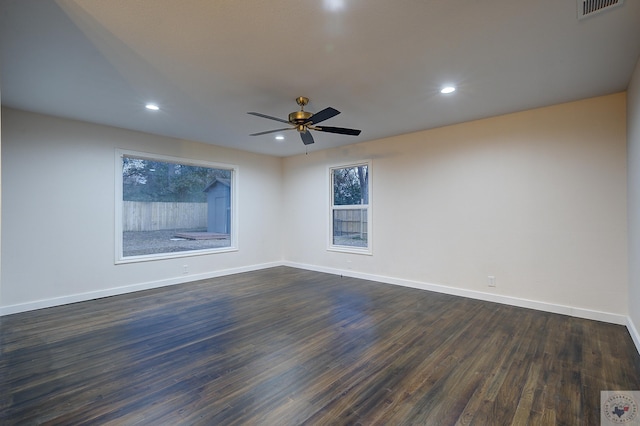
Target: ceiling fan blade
[
  {"x": 257, "y": 114},
  {"x": 339, "y": 130},
  {"x": 325, "y": 114},
  {"x": 271, "y": 131},
  {"x": 307, "y": 139}
]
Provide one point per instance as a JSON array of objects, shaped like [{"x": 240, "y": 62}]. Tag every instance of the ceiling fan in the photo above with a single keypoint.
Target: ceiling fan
[{"x": 303, "y": 121}]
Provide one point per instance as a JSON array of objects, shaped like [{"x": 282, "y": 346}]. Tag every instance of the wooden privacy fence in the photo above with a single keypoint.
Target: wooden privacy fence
[
  {"x": 152, "y": 216},
  {"x": 350, "y": 222}
]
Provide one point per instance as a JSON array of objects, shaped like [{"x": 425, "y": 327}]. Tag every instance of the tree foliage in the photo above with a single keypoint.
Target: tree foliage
[
  {"x": 351, "y": 186},
  {"x": 148, "y": 180}
]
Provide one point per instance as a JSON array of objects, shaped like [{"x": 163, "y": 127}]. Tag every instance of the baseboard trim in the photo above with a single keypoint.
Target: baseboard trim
[
  {"x": 488, "y": 297},
  {"x": 507, "y": 300},
  {"x": 82, "y": 297},
  {"x": 633, "y": 331}
]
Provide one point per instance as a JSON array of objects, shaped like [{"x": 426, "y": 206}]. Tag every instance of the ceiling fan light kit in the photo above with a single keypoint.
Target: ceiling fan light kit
[{"x": 303, "y": 121}]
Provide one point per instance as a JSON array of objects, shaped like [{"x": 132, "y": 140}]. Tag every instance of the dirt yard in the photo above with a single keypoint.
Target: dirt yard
[{"x": 153, "y": 242}]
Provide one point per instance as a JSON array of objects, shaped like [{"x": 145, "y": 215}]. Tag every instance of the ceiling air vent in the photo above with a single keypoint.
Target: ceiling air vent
[{"x": 593, "y": 7}]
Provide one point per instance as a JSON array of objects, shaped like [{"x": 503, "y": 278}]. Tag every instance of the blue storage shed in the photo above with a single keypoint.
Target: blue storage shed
[{"x": 219, "y": 206}]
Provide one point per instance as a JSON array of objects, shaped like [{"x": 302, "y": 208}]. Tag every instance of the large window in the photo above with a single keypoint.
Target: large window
[
  {"x": 350, "y": 223},
  {"x": 171, "y": 207}
]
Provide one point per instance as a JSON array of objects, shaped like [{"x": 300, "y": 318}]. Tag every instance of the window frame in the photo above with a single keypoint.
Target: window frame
[
  {"x": 119, "y": 164},
  {"x": 368, "y": 250}
]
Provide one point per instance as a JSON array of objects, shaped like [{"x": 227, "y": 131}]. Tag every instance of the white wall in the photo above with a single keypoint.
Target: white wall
[
  {"x": 0, "y": 199},
  {"x": 58, "y": 211},
  {"x": 536, "y": 198},
  {"x": 633, "y": 155}
]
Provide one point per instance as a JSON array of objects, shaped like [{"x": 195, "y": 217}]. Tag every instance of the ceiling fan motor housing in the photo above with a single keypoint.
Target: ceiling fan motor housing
[{"x": 299, "y": 117}]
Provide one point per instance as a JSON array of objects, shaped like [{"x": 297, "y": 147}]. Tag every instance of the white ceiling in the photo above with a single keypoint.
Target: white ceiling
[{"x": 381, "y": 63}]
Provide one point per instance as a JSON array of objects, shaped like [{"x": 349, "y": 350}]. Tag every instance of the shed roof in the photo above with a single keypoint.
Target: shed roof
[{"x": 226, "y": 182}]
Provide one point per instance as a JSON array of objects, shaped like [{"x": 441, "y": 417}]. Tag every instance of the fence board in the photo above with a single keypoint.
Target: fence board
[
  {"x": 350, "y": 222},
  {"x": 153, "y": 216}
]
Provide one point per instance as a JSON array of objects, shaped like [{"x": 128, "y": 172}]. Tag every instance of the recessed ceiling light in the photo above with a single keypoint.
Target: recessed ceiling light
[
  {"x": 448, "y": 89},
  {"x": 334, "y": 5},
  {"x": 280, "y": 137},
  {"x": 152, "y": 107}
]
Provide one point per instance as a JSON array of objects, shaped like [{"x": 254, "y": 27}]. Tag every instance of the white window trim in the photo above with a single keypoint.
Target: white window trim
[
  {"x": 330, "y": 207},
  {"x": 120, "y": 153}
]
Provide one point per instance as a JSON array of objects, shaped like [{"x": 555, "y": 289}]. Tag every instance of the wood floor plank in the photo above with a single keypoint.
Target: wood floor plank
[{"x": 287, "y": 346}]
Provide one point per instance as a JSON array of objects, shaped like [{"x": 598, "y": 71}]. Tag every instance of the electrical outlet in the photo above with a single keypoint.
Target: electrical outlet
[
  {"x": 492, "y": 281},
  {"x": 185, "y": 269}
]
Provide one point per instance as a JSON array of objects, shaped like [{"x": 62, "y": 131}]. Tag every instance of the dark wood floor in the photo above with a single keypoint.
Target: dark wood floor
[{"x": 285, "y": 346}]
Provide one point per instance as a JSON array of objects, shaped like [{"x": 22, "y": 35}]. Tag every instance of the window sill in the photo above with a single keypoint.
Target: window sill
[
  {"x": 174, "y": 255},
  {"x": 352, "y": 250}
]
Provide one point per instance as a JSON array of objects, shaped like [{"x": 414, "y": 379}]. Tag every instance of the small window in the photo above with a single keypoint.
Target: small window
[
  {"x": 170, "y": 207},
  {"x": 350, "y": 223}
]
